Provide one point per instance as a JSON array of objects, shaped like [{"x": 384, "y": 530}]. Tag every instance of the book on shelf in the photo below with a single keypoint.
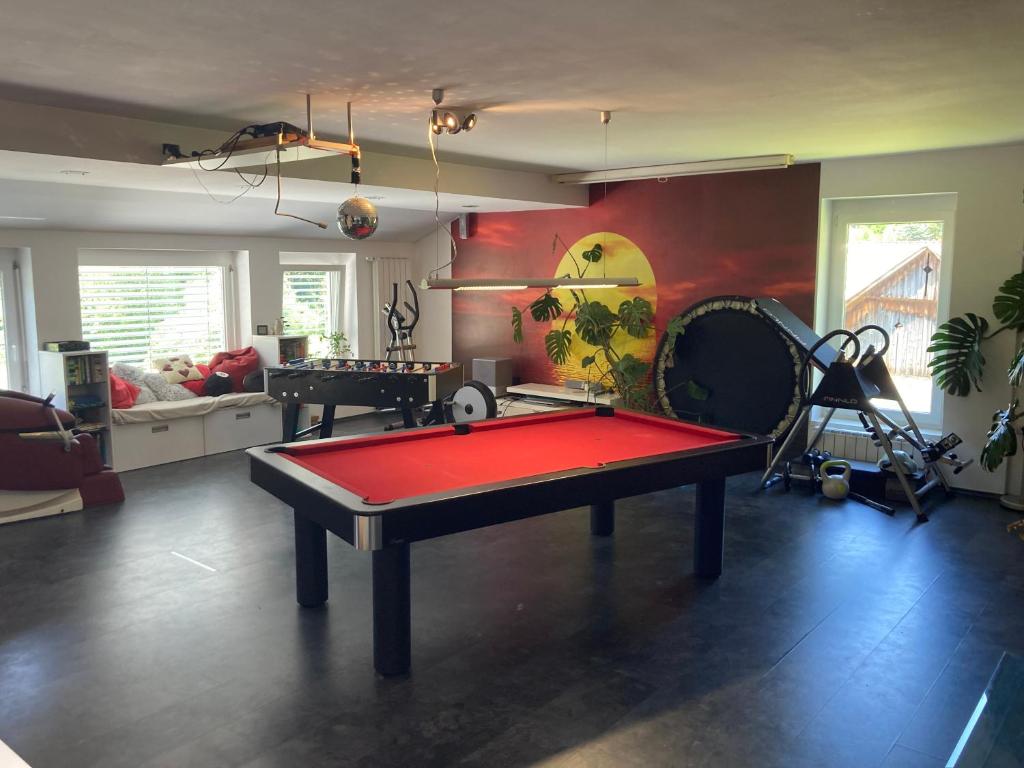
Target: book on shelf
[{"x": 90, "y": 426}]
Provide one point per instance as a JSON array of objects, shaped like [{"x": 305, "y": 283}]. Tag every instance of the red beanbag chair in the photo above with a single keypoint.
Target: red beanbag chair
[
  {"x": 122, "y": 393},
  {"x": 236, "y": 364},
  {"x": 196, "y": 385}
]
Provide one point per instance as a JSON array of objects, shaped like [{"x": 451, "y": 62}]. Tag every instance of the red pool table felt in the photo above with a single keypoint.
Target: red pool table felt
[{"x": 383, "y": 468}]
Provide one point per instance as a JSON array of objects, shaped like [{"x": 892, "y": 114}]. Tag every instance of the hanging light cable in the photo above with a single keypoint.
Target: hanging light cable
[
  {"x": 454, "y": 250},
  {"x": 517, "y": 283}
]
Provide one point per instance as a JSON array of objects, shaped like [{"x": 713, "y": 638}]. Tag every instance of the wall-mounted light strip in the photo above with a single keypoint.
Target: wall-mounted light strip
[
  {"x": 522, "y": 284},
  {"x": 729, "y": 165}
]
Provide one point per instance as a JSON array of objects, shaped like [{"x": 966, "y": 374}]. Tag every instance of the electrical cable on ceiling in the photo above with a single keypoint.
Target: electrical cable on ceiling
[
  {"x": 284, "y": 133},
  {"x": 277, "y": 205},
  {"x": 227, "y": 149},
  {"x": 249, "y": 184},
  {"x": 437, "y": 206}
]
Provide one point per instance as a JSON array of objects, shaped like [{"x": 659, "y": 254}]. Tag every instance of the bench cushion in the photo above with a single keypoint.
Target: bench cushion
[{"x": 165, "y": 411}]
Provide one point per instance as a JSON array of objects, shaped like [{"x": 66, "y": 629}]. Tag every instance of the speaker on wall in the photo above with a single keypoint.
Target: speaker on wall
[{"x": 467, "y": 226}]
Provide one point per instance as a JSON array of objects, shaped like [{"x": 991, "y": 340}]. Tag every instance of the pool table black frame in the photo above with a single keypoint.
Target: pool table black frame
[{"x": 388, "y": 529}]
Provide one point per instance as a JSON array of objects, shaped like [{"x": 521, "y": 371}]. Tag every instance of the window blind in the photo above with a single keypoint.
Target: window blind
[
  {"x": 309, "y": 305},
  {"x": 137, "y": 314}
]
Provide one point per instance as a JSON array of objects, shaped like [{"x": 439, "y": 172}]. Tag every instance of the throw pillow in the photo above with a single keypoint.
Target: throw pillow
[
  {"x": 134, "y": 375},
  {"x": 127, "y": 372},
  {"x": 253, "y": 382},
  {"x": 236, "y": 363},
  {"x": 196, "y": 385},
  {"x": 164, "y": 390},
  {"x": 218, "y": 383},
  {"x": 146, "y": 395},
  {"x": 177, "y": 369},
  {"x": 122, "y": 393}
]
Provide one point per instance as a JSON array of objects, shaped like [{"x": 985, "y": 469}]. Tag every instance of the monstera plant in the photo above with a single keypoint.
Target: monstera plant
[
  {"x": 959, "y": 363},
  {"x": 596, "y": 324}
]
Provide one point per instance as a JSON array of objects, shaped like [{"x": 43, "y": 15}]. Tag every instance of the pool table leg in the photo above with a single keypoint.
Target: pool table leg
[
  {"x": 602, "y": 518},
  {"x": 709, "y": 528},
  {"x": 391, "y": 610},
  {"x": 310, "y": 562}
]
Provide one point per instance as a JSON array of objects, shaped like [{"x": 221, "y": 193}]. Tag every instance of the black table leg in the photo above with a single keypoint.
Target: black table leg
[
  {"x": 310, "y": 562},
  {"x": 327, "y": 422},
  {"x": 602, "y": 518},
  {"x": 709, "y": 527},
  {"x": 391, "y": 610},
  {"x": 408, "y": 418},
  {"x": 289, "y": 422}
]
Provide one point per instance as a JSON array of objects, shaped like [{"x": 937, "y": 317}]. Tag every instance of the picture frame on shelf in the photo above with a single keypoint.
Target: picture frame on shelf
[{"x": 262, "y": 330}]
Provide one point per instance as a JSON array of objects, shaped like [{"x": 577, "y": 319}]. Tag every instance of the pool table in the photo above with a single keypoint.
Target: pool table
[{"x": 383, "y": 492}]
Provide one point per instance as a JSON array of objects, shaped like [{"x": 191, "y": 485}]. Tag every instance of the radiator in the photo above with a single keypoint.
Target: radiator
[{"x": 855, "y": 445}]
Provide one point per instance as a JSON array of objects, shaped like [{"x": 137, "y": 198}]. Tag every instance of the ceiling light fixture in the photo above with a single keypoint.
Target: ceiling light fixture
[
  {"x": 729, "y": 165},
  {"x": 446, "y": 121},
  {"x": 524, "y": 283},
  {"x": 71, "y": 172}
]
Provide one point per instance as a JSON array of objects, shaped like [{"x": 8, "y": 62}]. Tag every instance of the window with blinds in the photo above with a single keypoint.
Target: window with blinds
[
  {"x": 309, "y": 305},
  {"x": 137, "y": 314}
]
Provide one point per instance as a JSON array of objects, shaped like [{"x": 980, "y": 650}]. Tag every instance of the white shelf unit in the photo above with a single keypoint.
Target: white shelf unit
[
  {"x": 80, "y": 382},
  {"x": 274, "y": 350}
]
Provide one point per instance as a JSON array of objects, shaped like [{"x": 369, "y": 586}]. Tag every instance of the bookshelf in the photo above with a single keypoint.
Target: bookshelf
[{"x": 81, "y": 385}]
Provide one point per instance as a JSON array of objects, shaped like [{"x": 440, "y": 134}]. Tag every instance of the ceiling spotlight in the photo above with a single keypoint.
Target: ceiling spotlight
[{"x": 445, "y": 121}]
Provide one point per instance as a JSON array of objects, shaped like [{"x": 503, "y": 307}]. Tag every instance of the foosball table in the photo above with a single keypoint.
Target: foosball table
[{"x": 402, "y": 385}]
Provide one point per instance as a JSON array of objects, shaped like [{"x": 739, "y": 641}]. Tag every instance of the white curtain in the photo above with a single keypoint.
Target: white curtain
[{"x": 386, "y": 272}]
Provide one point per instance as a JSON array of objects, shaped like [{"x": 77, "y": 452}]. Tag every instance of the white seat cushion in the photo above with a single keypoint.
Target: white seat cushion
[{"x": 164, "y": 411}]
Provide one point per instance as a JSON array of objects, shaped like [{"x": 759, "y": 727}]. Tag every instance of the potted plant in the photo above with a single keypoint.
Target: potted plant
[
  {"x": 958, "y": 364},
  {"x": 337, "y": 344},
  {"x": 594, "y": 323}
]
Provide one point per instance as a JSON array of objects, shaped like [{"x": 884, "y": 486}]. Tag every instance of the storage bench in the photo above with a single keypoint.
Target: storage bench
[{"x": 158, "y": 433}]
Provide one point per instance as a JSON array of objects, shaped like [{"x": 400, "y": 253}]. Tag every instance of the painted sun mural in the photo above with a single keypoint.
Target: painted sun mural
[
  {"x": 621, "y": 258},
  {"x": 752, "y": 234}
]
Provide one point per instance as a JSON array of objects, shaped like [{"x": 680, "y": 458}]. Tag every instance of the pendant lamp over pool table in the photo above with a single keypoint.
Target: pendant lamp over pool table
[{"x": 525, "y": 283}]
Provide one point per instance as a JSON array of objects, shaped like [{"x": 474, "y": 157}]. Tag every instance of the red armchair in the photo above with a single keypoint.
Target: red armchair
[{"x": 37, "y": 454}]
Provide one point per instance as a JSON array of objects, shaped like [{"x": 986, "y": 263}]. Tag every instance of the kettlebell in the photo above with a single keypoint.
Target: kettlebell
[{"x": 835, "y": 486}]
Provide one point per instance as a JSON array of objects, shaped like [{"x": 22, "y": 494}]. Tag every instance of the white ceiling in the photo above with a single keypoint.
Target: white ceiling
[{"x": 689, "y": 80}]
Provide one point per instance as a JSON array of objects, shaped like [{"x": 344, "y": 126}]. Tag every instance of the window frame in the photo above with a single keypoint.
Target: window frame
[
  {"x": 12, "y": 307},
  {"x": 890, "y": 209},
  {"x": 223, "y": 260},
  {"x": 335, "y": 293}
]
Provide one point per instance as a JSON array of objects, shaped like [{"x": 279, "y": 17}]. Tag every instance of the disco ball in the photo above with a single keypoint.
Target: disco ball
[{"x": 357, "y": 218}]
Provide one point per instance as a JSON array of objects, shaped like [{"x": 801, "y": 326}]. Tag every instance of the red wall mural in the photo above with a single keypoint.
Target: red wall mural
[{"x": 686, "y": 238}]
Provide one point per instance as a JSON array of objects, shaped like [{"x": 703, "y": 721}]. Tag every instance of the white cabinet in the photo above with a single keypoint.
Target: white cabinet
[
  {"x": 230, "y": 429},
  {"x": 157, "y": 442}
]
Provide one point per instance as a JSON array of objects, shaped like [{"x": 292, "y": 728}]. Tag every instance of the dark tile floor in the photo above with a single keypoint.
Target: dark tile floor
[{"x": 836, "y": 637}]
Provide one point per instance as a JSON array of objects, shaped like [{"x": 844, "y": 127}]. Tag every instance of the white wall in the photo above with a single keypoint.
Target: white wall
[
  {"x": 434, "y": 332},
  {"x": 50, "y": 277},
  {"x": 986, "y": 250}
]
